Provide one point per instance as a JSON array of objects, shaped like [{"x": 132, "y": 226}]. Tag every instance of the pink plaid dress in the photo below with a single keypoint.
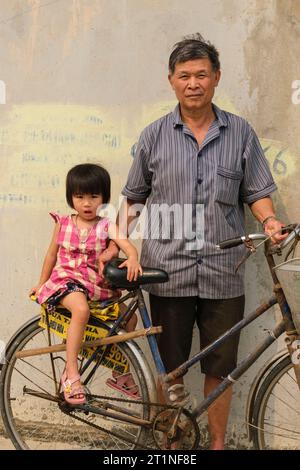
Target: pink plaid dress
[{"x": 77, "y": 259}]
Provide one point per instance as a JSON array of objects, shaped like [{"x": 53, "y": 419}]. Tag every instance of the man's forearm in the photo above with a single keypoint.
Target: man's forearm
[
  {"x": 128, "y": 215},
  {"x": 262, "y": 209},
  {"x": 125, "y": 222}
]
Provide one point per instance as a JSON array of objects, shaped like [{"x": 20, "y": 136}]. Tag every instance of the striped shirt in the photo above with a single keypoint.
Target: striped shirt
[{"x": 226, "y": 171}]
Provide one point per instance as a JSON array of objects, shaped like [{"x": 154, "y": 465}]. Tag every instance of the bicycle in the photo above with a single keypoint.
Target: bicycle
[{"x": 36, "y": 416}]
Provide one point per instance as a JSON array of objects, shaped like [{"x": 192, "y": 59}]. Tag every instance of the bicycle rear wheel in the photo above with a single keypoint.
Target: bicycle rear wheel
[
  {"x": 276, "y": 413},
  {"x": 34, "y": 412}
]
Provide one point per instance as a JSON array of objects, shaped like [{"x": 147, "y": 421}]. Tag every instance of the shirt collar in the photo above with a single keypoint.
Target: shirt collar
[
  {"x": 177, "y": 121},
  {"x": 221, "y": 116}
]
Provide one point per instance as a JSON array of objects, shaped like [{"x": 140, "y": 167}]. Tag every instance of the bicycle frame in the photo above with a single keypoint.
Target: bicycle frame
[
  {"x": 286, "y": 325},
  {"x": 154, "y": 419}
]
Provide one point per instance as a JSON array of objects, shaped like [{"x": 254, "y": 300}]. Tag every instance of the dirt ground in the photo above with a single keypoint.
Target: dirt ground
[{"x": 5, "y": 444}]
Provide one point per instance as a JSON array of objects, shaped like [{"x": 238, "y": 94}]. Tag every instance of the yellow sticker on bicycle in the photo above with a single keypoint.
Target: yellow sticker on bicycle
[
  {"x": 111, "y": 357},
  {"x": 109, "y": 313}
]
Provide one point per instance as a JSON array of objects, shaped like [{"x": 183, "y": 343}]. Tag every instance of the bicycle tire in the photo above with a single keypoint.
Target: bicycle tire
[
  {"x": 32, "y": 422},
  {"x": 276, "y": 411}
]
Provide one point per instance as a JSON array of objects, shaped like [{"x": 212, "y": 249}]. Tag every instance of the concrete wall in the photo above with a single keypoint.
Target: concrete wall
[{"x": 80, "y": 79}]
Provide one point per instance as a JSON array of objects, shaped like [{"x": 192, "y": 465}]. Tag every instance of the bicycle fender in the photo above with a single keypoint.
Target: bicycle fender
[
  {"x": 136, "y": 350},
  {"x": 256, "y": 385}
]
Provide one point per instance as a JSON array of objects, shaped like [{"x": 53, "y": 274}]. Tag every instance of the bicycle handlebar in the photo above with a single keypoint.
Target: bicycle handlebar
[{"x": 232, "y": 242}]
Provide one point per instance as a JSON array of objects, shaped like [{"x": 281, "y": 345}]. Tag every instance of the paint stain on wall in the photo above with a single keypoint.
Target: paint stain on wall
[
  {"x": 274, "y": 114},
  {"x": 270, "y": 67},
  {"x": 39, "y": 143}
]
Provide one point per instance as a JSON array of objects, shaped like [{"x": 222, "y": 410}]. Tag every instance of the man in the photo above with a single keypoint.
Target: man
[{"x": 202, "y": 156}]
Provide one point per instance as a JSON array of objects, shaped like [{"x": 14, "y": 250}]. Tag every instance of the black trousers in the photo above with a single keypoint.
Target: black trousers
[{"x": 177, "y": 316}]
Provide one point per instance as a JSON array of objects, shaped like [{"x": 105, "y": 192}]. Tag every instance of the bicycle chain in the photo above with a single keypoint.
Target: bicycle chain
[
  {"x": 139, "y": 402},
  {"x": 113, "y": 433}
]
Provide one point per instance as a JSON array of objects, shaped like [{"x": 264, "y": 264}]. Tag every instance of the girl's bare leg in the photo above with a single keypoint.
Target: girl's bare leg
[{"x": 76, "y": 302}]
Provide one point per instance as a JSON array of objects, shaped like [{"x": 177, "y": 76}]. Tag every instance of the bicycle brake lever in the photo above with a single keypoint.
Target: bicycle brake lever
[
  {"x": 251, "y": 249},
  {"x": 242, "y": 261}
]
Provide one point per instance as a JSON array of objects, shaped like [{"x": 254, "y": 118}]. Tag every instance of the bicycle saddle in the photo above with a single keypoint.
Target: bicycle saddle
[{"x": 118, "y": 277}]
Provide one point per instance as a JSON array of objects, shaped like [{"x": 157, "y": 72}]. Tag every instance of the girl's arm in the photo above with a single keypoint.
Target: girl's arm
[
  {"x": 49, "y": 261},
  {"x": 132, "y": 263}
]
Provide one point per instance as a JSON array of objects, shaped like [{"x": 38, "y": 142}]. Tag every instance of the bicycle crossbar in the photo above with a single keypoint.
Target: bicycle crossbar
[{"x": 91, "y": 344}]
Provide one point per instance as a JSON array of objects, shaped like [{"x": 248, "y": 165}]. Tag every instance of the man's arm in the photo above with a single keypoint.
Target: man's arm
[
  {"x": 263, "y": 211},
  {"x": 126, "y": 220},
  {"x": 136, "y": 191},
  {"x": 128, "y": 215}
]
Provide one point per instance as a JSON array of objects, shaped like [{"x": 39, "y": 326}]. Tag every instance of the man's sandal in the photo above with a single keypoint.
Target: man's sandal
[
  {"x": 75, "y": 395},
  {"x": 124, "y": 383}
]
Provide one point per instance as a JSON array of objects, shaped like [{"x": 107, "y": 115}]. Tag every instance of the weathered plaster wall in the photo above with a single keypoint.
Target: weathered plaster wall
[{"x": 80, "y": 79}]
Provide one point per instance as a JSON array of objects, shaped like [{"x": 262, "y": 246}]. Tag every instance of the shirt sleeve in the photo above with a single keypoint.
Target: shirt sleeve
[
  {"x": 258, "y": 181},
  {"x": 138, "y": 186}
]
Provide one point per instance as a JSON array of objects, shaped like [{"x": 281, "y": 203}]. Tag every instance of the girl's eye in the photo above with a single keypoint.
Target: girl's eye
[
  {"x": 95, "y": 195},
  {"x": 78, "y": 196}
]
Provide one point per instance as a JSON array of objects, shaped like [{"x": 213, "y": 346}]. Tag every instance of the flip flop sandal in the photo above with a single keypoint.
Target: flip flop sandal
[
  {"x": 120, "y": 383},
  {"x": 71, "y": 392}
]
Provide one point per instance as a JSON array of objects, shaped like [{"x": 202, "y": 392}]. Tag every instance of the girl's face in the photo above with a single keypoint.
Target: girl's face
[{"x": 87, "y": 205}]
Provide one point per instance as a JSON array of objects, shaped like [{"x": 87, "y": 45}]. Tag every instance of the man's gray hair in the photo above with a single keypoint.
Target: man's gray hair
[{"x": 193, "y": 47}]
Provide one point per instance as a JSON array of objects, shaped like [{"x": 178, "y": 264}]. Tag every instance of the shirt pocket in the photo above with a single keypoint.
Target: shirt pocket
[{"x": 228, "y": 186}]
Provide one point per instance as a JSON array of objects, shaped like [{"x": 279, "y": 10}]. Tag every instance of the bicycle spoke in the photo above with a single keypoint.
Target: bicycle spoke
[
  {"x": 284, "y": 403},
  {"x": 31, "y": 381},
  {"x": 272, "y": 433},
  {"x": 277, "y": 409},
  {"x": 282, "y": 428},
  {"x": 36, "y": 419}
]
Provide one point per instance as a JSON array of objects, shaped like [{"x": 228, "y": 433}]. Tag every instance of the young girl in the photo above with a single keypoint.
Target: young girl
[{"x": 70, "y": 271}]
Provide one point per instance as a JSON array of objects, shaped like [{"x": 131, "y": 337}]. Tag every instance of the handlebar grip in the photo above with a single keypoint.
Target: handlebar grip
[{"x": 230, "y": 243}]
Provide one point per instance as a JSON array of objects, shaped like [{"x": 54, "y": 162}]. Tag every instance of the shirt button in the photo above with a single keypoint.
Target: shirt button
[
  {"x": 199, "y": 180},
  {"x": 199, "y": 261}
]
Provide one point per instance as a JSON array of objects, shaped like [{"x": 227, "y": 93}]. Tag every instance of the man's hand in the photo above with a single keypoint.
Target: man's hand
[
  {"x": 272, "y": 228},
  {"x": 107, "y": 255}
]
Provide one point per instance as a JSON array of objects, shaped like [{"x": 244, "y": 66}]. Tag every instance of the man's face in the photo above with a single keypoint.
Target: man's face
[{"x": 194, "y": 83}]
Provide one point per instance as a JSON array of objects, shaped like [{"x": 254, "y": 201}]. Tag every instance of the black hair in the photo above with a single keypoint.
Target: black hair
[
  {"x": 88, "y": 178},
  {"x": 191, "y": 48}
]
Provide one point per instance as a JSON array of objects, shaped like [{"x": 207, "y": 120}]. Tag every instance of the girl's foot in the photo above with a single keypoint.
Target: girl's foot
[{"x": 73, "y": 390}]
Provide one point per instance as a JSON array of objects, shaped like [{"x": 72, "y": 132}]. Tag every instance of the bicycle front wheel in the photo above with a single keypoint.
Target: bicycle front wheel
[
  {"x": 34, "y": 412},
  {"x": 276, "y": 413}
]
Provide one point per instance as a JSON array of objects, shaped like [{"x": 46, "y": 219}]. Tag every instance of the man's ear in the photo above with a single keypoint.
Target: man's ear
[
  {"x": 218, "y": 76},
  {"x": 170, "y": 80}
]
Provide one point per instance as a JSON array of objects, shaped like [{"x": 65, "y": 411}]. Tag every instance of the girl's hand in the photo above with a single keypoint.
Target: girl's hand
[
  {"x": 34, "y": 290},
  {"x": 133, "y": 268}
]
